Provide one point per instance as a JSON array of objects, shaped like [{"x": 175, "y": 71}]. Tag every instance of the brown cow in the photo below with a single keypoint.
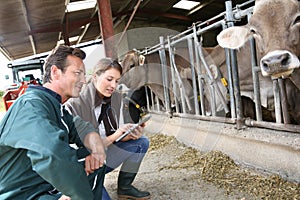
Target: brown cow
[
  {"x": 275, "y": 25},
  {"x": 141, "y": 70},
  {"x": 215, "y": 57}
]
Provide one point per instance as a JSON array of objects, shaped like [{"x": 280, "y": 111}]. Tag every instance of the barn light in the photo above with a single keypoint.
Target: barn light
[
  {"x": 80, "y": 5},
  {"x": 185, "y": 4}
]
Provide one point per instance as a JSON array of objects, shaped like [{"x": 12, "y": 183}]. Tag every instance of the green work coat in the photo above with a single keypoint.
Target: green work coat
[{"x": 35, "y": 155}]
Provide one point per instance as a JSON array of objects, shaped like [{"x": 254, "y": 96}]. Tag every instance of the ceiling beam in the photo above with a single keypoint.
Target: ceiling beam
[
  {"x": 59, "y": 27},
  {"x": 27, "y": 22},
  {"x": 86, "y": 27},
  {"x": 157, "y": 14}
]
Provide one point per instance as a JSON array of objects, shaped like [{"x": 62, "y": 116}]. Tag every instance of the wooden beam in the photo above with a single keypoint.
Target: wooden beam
[{"x": 106, "y": 27}]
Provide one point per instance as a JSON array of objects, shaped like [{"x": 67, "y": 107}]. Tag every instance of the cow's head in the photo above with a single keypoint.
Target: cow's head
[
  {"x": 132, "y": 59},
  {"x": 275, "y": 25}
]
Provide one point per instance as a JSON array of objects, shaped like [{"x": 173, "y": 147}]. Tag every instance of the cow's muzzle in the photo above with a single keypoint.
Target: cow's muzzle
[{"x": 279, "y": 63}]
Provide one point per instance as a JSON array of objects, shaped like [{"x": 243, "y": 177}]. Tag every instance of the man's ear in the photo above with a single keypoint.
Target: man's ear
[{"x": 55, "y": 72}]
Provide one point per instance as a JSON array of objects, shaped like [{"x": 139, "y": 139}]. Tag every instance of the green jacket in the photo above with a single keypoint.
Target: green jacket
[{"x": 35, "y": 155}]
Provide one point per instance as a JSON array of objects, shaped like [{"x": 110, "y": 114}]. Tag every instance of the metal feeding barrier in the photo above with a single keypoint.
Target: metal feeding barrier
[{"x": 202, "y": 78}]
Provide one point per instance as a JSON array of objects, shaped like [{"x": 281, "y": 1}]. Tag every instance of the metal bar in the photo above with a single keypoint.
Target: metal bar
[
  {"x": 174, "y": 85},
  {"x": 274, "y": 126},
  {"x": 147, "y": 98},
  {"x": 284, "y": 103},
  {"x": 277, "y": 101},
  {"x": 162, "y": 55},
  {"x": 235, "y": 74},
  {"x": 183, "y": 96},
  {"x": 192, "y": 62},
  {"x": 256, "y": 88},
  {"x": 212, "y": 79},
  {"x": 230, "y": 82},
  {"x": 199, "y": 72}
]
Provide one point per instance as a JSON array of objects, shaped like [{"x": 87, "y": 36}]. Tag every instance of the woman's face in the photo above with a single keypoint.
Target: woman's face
[{"x": 107, "y": 82}]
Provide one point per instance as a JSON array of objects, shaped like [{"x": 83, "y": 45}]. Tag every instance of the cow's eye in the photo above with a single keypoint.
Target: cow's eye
[
  {"x": 132, "y": 66},
  {"x": 297, "y": 20}
]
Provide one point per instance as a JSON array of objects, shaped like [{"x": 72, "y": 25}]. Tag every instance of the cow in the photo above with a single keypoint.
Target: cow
[
  {"x": 215, "y": 58},
  {"x": 275, "y": 25},
  {"x": 140, "y": 70}
]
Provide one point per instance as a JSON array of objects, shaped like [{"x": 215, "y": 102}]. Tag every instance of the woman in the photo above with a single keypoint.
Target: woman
[{"x": 100, "y": 105}]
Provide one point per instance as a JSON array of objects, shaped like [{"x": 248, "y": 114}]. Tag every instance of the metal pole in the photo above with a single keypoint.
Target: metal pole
[
  {"x": 199, "y": 72},
  {"x": 191, "y": 53},
  {"x": 239, "y": 109},
  {"x": 174, "y": 85},
  {"x": 284, "y": 103},
  {"x": 255, "y": 77},
  {"x": 166, "y": 87},
  {"x": 230, "y": 82},
  {"x": 277, "y": 101}
]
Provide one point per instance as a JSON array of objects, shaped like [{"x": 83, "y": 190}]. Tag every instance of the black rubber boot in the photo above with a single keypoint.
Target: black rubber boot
[{"x": 126, "y": 190}]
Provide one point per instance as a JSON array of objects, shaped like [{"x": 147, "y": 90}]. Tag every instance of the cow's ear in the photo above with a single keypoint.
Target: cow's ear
[{"x": 233, "y": 37}]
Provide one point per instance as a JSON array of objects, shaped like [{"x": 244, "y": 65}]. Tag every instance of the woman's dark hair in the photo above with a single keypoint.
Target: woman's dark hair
[
  {"x": 58, "y": 57},
  {"x": 105, "y": 64}
]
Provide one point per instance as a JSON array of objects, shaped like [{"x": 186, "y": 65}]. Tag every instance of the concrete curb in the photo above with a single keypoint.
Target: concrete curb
[{"x": 269, "y": 150}]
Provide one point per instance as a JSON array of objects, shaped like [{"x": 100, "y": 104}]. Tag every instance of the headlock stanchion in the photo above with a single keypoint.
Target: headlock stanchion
[{"x": 208, "y": 101}]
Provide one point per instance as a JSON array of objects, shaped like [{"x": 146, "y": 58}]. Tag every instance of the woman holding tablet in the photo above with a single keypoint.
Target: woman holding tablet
[{"x": 101, "y": 105}]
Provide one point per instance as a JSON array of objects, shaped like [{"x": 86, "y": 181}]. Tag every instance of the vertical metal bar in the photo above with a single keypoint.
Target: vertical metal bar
[
  {"x": 230, "y": 84},
  {"x": 174, "y": 85},
  {"x": 199, "y": 71},
  {"x": 184, "y": 99},
  {"x": 152, "y": 100},
  {"x": 277, "y": 101},
  {"x": 213, "y": 100},
  {"x": 147, "y": 98},
  {"x": 256, "y": 89},
  {"x": 283, "y": 98},
  {"x": 166, "y": 87},
  {"x": 157, "y": 103},
  {"x": 255, "y": 77},
  {"x": 192, "y": 62},
  {"x": 237, "y": 94}
]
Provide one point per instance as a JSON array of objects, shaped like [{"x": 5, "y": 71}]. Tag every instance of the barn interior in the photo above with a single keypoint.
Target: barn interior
[{"x": 30, "y": 28}]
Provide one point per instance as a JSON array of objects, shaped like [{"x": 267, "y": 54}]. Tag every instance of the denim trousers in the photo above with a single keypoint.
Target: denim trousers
[{"x": 125, "y": 153}]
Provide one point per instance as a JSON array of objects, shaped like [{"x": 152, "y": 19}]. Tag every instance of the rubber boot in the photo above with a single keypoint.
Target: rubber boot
[{"x": 126, "y": 190}]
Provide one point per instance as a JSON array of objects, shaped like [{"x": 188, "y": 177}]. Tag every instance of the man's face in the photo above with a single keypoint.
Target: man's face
[{"x": 73, "y": 78}]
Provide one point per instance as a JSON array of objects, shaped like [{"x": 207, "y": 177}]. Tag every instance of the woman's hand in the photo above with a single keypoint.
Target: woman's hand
[{"x": 136, "y": 133}]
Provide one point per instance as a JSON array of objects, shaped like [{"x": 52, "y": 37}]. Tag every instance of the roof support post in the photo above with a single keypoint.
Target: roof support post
[{"x": 106, "y": 27}]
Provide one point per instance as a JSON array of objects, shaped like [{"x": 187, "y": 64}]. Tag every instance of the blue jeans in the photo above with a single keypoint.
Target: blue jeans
[{"x": 125, "y": 153}]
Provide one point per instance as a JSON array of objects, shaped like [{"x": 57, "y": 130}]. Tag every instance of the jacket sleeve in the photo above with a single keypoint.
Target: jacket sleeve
[{"x": 33, "y": 127}]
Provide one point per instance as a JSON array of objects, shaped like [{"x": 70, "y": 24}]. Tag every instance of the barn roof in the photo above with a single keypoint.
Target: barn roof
[{"x": 29, "y": 27}]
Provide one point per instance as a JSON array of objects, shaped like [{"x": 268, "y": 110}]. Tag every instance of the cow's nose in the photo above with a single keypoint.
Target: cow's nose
[{"x": 275, "y": 62}]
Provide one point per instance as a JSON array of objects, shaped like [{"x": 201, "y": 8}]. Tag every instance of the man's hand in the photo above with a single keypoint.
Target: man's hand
[
  {"x": 92, "y": 163},
  {"x": 97, "y": 157},
  {"x": 64, "y": 197}
]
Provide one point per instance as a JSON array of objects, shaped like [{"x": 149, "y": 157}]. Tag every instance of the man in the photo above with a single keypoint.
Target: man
[{"x": 37, "y": 161}]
